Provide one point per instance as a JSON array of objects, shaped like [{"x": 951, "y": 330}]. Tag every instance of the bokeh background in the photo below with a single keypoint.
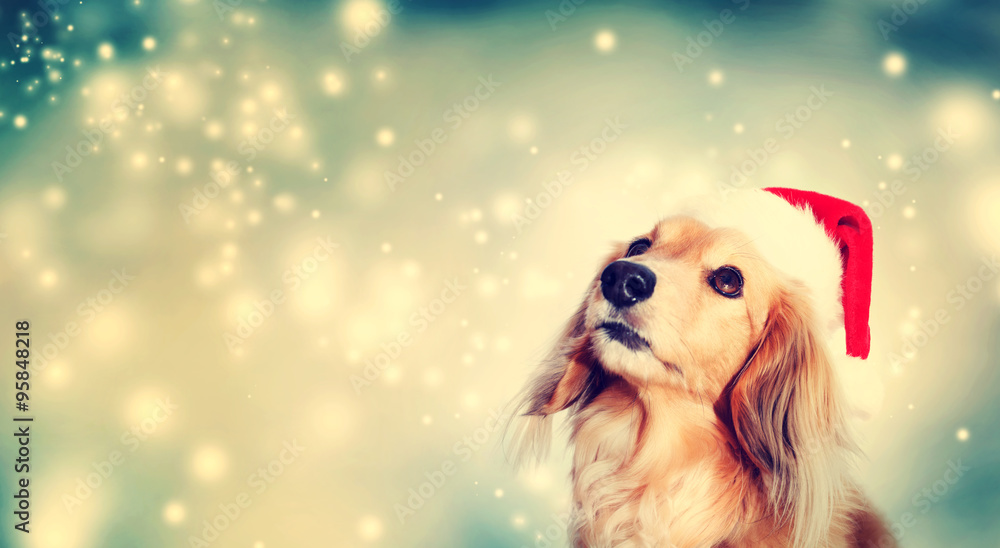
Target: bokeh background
[{"x": 199, "y": 377}]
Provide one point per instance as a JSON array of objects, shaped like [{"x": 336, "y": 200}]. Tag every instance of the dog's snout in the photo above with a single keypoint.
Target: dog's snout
[{"x": 625, "y": 283}]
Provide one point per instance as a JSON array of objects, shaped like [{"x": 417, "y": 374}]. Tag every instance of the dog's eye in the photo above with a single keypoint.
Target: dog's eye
[
  {"x": 727, "y": 281},
  {"x": 638, "y": 247}
]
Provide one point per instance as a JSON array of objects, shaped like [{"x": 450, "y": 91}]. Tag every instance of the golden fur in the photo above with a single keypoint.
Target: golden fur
[{"x": 728, "y": 430}]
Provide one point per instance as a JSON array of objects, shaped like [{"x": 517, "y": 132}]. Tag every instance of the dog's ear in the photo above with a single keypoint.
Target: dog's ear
[
  {"x": 560, "y": 381},
  {"x": 789, "y": 420},
  {"x": 562, "y": 376}
]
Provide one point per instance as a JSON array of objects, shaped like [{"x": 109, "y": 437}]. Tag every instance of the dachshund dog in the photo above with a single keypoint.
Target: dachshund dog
[{"x": 703, "y": 404}]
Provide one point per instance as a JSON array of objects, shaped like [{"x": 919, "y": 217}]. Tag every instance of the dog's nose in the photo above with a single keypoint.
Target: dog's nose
[{"x": 625, "y": 283}]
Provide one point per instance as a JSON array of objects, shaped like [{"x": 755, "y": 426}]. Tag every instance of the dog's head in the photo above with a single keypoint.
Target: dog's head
[{"x": 685, "y": 307}]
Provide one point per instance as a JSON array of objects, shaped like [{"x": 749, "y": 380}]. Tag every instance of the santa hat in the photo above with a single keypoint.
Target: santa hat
[
  {"x": 850, "y": 229},
  {"x": 821, "y": 241}
]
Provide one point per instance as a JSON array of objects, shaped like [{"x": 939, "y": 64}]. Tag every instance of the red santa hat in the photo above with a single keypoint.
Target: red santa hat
[
  {"x": 849, "y": 227},
  {"x": 821, "y": 241}
]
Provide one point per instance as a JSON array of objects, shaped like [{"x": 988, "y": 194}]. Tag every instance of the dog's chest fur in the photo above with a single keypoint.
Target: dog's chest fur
[{"x": 659, "y": 483}]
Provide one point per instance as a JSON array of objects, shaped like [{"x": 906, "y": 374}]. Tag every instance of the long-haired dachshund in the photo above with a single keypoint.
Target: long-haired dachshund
[{"x": 703, "y": 403}]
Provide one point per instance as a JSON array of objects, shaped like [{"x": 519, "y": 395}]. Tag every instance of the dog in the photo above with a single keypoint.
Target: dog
[{"x": 703, "y": 404}]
